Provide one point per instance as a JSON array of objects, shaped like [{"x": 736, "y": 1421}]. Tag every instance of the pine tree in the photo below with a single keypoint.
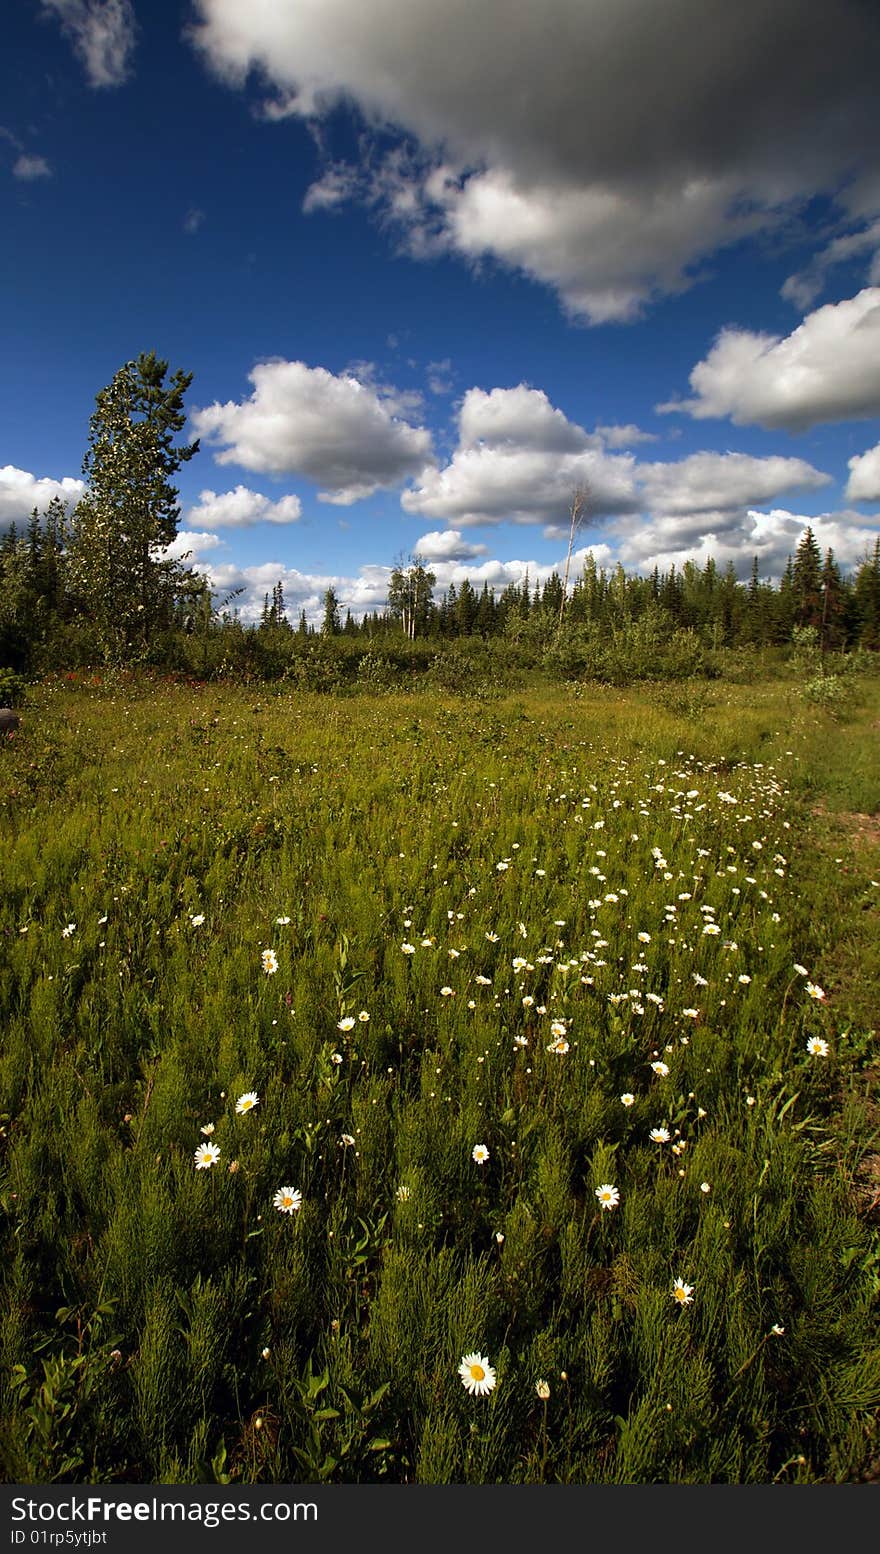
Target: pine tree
[
  {"x": 807, "y": 581},
  {"x": 331, "y": 625}
]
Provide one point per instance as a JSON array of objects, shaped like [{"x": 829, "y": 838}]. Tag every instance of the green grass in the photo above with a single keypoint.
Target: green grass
[{"x": 162, "y": 1323}]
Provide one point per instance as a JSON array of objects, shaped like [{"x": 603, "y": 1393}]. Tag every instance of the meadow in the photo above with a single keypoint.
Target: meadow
[{"x": 424, "y": 1087}]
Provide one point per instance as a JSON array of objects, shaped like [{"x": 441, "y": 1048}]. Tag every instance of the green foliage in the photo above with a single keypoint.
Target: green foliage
[{"x": 556, "y": 868}]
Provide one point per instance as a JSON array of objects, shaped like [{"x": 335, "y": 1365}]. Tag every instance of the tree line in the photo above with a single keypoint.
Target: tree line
[{"x": 95, "y": 584}]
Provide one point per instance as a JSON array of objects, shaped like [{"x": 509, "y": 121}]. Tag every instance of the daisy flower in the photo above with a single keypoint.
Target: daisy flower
[
  {"x": 628, "y": 1099},
  {"x": 477, "y": 1375},
  {"x": 661, "y": 1068},
  {"x": 480, "y": 1154},
  {"x": 269, "y": 962},
  {"x": 560, "y": 1045},
  {"x": 609, "y": 1196},
  {"x": 287, "y": 1200},
  {"x": 542, "y": 1388},
  {"x": 659, "y": 1135},
  {"x": 205, "y": 1156},
  {"x": 408, "y": 949},
  {"x": 247, "y": 1102},
  {"x": 815, "y": 991},
  {"x": 682, "y": 1293},
  {"x": 197, "y": 920},
  {"x": 817, "y": 1047},
  {"x": 345, "y": 1024}
]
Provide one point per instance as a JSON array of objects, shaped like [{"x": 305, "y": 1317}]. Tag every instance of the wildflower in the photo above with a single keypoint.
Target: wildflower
[
  {"x": 408, "y": 949},
  {"x": 817, "y": 1047},
  {"x": 233, "y": 1167},
  {"x": 265, "y": 1353},
  {"x": 208, "y": 1129},
  {"x": 705, "y": 1187},
  {"x": 336, "y": 1057},
  {"x": 477, "y": 1375},
  {"x": 269, "y": 962},
  {"x": 777, "y": 1329},
  {"x": 403, "y": 1193},
  {"x": 659, "y": 1135},
  {"x": 492, "y": 937},
  {"x": 644, "y": 938},
  {"x": 558, "y": 1045},
  {"x": 363, "y": 1016},
  {"x": 206, "y": 1156},
  {"x": 543, "y": 1389},
  {"x": 682, "y": 1293},
  {"x": 661, "y": 1068},
  {"x": 66, "y": 932},
  {"x": 815, "y": 991},
  {"x": 247, "y": 1102},
  {"x": 346, "y": 1140},
  {"x": 447, "y": 992},
  {"x": 609, "y": 1196},
  {"x": 282, "y": 921},
  {"x": 801, "y": 970},
  {"x": 499, "y": 1237},
  {"x": 345, "y": 1024},
  {"x": 692, "y": 1014},
  {"x": 480, "y": 1154},
  {"x": 558, "y": 1027},
  {"x": 287, "y": 1200},
  {"x": 483, "y": 981},
  {"x": 628, "y": 1099},
  {"x": 196, "y": 921}
]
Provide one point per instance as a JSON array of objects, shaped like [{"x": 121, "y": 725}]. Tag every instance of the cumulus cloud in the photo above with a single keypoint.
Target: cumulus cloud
[
  {"x": 447, "y": 545},
  {"x": 707, "y": 482},
  {"x": 102, "y": 33},
  {"x": 21, "y": 492},
  {"x": 549, "y": 139},
  {"x": 344, "y": 434},
  {"x": 242, "y": 508},
  {"x": 518, "y": 460},
  {"x": 625, "y": 436},
  {"x": 29, "y": 168},
  {"x": 828, "y": 369},
  {"x": 864, "y": 476},
  {"x": 191, "y": 544}
]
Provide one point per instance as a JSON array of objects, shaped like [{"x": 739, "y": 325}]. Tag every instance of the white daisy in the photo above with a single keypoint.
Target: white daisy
[{"x": 477, "y": 1375}]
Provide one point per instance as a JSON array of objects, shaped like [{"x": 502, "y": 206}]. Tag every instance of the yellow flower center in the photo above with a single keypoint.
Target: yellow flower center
[
  {"x": 478, "y": 1373},
  {"x": 681, "y": 1295}
]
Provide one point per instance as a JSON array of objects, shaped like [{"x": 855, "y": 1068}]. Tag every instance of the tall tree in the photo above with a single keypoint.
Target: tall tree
[
  {"x": 331, "y": 625},
  {"x": 129, "y": 513}
]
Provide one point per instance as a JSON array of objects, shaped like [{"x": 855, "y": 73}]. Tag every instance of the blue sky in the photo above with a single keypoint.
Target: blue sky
[{"x": 435, "y": 265}]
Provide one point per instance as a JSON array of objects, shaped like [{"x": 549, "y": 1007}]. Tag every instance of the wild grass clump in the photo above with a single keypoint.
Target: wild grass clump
[{"x": 348, "y": 1038}]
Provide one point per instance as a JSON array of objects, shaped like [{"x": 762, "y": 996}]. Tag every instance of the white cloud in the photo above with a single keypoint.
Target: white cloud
[
  {"x": 603, "y": 148},
  {"x": 828, "y": 369},
  {"x": 706, "y": 482},
  {"x": 102, "y": 33},
  {"x": 864, "y": 476},
  {"x": 242, "y": 508},
  {"x": 28, "y": 168},
  {"x": 625, "y": 436},
  {"x": 21, "y": 492},
  {"x": 341, "y": 433},
  {"x": 518, "y": 460},
  {"x": 191, "y": 545},
  {"x": 447, "y": 545}
]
